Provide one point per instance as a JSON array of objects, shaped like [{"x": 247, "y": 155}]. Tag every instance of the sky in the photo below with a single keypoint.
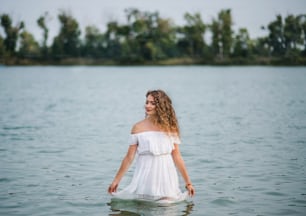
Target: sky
[{"x": 250, "y": 14}]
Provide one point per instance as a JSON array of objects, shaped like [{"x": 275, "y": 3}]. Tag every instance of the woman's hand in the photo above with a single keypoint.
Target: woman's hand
[
  {"x": 112, "y": 188},
  {"x": 190, "y": 190}
]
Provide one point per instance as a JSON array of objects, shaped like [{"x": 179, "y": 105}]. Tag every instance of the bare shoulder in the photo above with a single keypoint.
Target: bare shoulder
[{"x": 139, "y": 127}]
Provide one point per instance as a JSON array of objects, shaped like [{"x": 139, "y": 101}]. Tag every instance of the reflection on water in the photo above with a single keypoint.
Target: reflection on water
[{"x": 136, "y": 207}]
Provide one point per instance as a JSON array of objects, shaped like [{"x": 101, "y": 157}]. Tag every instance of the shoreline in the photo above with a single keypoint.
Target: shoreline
[{"x": 267, "y": 61}]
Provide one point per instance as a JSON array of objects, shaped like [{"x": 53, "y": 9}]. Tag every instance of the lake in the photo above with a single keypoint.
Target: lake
[{"x": 64, "y": 132}]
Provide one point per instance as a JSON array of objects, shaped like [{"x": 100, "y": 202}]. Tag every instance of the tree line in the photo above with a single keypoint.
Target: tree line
[{"x": 147, "y": 38}]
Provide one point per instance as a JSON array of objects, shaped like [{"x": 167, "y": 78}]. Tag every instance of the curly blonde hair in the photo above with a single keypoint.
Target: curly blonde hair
[{"x": 165, "y": 116}]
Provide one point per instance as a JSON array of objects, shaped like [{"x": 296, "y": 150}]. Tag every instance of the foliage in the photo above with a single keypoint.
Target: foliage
[
  {"x": 94, "y": 43},
  {"x": 28, "y": 46},
  {"x": 2, "y": 48},
  {"x": 11, "y": 32},
  {"x": 146, "y": 37},
  {"x": 242, "y": 44},
  {"x": 222, "y": 34},
  {"x": 67, "y": 43},
  {"x": 42, "y": 24},
  {"x": 192, "y": 41}
]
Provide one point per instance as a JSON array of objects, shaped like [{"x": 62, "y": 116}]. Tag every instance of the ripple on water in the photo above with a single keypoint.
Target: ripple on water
[
  {"x": 286, "y": 212},
  {"x": 299, "y": 202},
  {"x": 224, "y": 201},
  {"x": 50, "y": 151},
  {"x": 274, "y": 193},
  {"x": 4, "y": 180}
]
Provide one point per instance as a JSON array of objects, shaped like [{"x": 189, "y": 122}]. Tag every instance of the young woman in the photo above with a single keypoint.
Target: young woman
[{"x": 156, "y": 142}]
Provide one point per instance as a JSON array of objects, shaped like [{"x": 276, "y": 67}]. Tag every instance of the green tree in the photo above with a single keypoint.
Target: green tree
[
  {"x": 292, "y": 32},
  {"x": 166, "y": 38},
  {"x": 11, "y": 32},
  {"x": 2, "y": 48},
  {"x": 129, "y": 49},
  {"x": 276, "y": 38},
  {"x": 216, "y": 44},
  {"x": 113, "y": 45},
  {"x": 192, "y": 36},
  {"x": 29, "y": 47},
  {"x": 242, "y": 44},
  {"x": 302, "y": 23},
  {"x": 286, "y": 37},
  {"x": 42, "y": 24},
  {"x": 222, "y": 34},
  {"x": 148, "y": 36},
  {"x": 144, "y": 29},
  {"x": 67, "y": 43},
  {"x": 260, "y": 47},
  {"x": 293, "y": 37},
  {"x": 94, "y": 44},
  {"x": 134, "y": 40},
  {"x": 227, "y": 39}
]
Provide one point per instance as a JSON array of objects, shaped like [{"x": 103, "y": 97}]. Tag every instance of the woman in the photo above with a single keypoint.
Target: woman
[{"x": 156, "y": 142}]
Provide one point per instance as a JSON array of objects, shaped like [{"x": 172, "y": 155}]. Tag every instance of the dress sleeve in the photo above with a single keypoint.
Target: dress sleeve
[
  {"x": 133, "y": 139},
  {"x": 176, "y": 139}
]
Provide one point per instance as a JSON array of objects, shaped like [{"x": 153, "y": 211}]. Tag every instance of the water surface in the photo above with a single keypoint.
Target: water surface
[{"x": 64, "y": 130}]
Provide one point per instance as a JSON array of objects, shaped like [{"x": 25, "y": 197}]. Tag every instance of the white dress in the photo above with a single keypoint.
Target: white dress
[{"x": 155, "y": 177}]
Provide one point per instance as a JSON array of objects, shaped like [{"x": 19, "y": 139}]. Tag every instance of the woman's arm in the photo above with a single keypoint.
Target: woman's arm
[
  {"x": 125, "y": 164},
  {"x": 180, "y": 164}
]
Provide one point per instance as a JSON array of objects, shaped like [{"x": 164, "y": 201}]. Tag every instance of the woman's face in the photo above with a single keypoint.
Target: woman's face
[{"x": 150, "y": 105}]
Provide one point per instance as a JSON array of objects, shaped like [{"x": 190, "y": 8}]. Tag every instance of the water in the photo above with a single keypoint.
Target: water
[{"x": 64, "y": 131}]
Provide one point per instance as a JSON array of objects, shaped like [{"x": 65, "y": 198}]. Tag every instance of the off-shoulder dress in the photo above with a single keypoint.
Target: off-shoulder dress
[{"x": 155, "y": 176}]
